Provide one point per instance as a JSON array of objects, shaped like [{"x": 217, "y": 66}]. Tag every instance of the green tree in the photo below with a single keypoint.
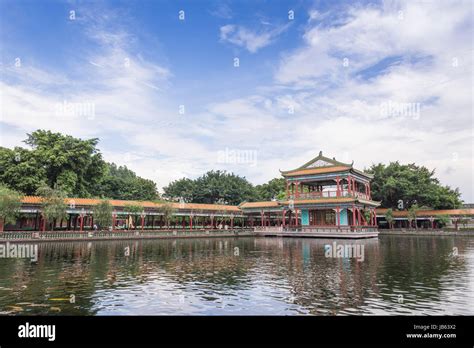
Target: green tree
[
  {"x": 443, "y": 220},
  {"x": 20, "y": 170},
  {"x": 389, "y": 217},
  {"x": 167, "y": 210},
  {"x": 411, "y": 184},
  {"x": 10, "y": 204},
  {"x": 103, "y": 214},
  {"x": 214, "y": 187},
  {"x": 53, "y": 204},
  {"x": 73, "y": 164},
  {"x": 181, "y": 189},
  {"x": 412, "y": 214},
  {"x": 122, "y": 183},
  {"x": 274, "y": 189}
]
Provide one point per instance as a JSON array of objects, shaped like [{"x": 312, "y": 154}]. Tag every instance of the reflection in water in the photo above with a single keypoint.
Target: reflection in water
[{"x": 235, "y": 276}]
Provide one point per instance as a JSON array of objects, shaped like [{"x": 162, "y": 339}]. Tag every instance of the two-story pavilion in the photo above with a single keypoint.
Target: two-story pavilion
[{"x": 321, "y": 193}]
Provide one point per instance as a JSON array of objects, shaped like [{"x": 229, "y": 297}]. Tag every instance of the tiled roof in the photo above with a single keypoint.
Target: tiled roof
[
  {"x": 403, "y": 213},
  {"x": 146, "y": 204},
  {"x": 321, "y": 170},
  {"x": 269, "y": 204}
]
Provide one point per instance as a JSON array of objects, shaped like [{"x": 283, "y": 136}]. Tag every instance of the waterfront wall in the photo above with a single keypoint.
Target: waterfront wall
[
  {"x": 420, "y": 232},
  {"x": 50, "y": 236}
]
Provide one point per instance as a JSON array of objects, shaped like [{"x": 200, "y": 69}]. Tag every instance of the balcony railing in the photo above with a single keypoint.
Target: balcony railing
[{"x": 327, "y": 194}]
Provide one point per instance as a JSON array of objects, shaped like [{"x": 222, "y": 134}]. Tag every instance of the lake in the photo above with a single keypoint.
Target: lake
[{"x": 391, "y": 275}]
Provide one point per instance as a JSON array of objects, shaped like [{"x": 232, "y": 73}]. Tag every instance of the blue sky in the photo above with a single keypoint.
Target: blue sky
[{"x": 364, "y": 81}]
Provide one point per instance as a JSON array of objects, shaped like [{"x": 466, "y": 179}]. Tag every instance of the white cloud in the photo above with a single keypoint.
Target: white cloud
[{"x": 250, "y": 40}]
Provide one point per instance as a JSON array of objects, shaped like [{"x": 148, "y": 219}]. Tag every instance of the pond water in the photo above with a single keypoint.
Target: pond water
[{"x": 391, "y": 275}]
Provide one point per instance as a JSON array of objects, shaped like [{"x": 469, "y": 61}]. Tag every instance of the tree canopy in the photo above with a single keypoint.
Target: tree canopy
[
  {"x": 214, "y": 187},
  {"x": 274, "y": 189},
  {"x": 71, "y": 164},
  {"x": 410, "y": 184},
  {"x": 10, "y": 203}
]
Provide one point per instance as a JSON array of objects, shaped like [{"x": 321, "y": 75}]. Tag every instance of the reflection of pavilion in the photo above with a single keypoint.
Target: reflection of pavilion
[{"x": 321, "y": 194}]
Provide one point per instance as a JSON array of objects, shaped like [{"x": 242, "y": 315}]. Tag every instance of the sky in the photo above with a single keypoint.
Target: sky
[{"x": 176, "y": 88}]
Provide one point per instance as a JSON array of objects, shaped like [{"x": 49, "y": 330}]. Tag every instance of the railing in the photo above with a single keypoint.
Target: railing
[
  {"x": 327, "y": 194},
  {"x": 312, "y": 229},
  {"x": 64, "y": 235}
]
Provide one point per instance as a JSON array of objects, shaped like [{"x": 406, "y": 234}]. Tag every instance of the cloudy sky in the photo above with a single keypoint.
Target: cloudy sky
[{"x": 176, "y": 88}]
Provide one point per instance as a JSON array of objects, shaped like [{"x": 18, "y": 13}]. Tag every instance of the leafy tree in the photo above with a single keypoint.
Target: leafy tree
[
  {"x": 366, "y": 213},
  {"x": 10, "y": 204},
  {"x": 443, "y": 220},
  {"x": 53, "y": 204},
  {"x": 20, "y": 170},
  {"x": 274, "y": 189},
  {"x": 389, "y": 217},
  {"x": 183, "y": 188},
  {"x": 122, "y": 183},
  {"x": 412, "y": 214},
  {"x": 103, "y": 214},
  {"x": 73, "y": 164},
  {"x": 214, "y": 187},
  {"x": 411, "y": 184},
  {"x": 167, "y": 210}
]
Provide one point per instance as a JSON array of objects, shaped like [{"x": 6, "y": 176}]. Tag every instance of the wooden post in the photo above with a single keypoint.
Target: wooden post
[
  {"x": 82, "y": 222},
  {"x": 353, "y": 216}
]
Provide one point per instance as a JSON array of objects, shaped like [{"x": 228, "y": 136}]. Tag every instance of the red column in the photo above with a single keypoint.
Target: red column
[
  {"x": 82, "y": 222},
  {"x": 370, "y": 193},
  {"x": 297, "y": 194},
  {"x": 232, "y": 222},
  {"x": 261, "y": 217},
  {"x": 113, "y": 221},
  {"x": 283, "y": 217},
  {"x": 337, "y": 187},
  {"x": 338, "y": 216},
  {"x": 296, "y": 217},
  {"x": 143, "y": 221},
  {"x": 190, "y": 222},
  {"x": 358, "y": 217},
  {"x": 354, "y": 223}
]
